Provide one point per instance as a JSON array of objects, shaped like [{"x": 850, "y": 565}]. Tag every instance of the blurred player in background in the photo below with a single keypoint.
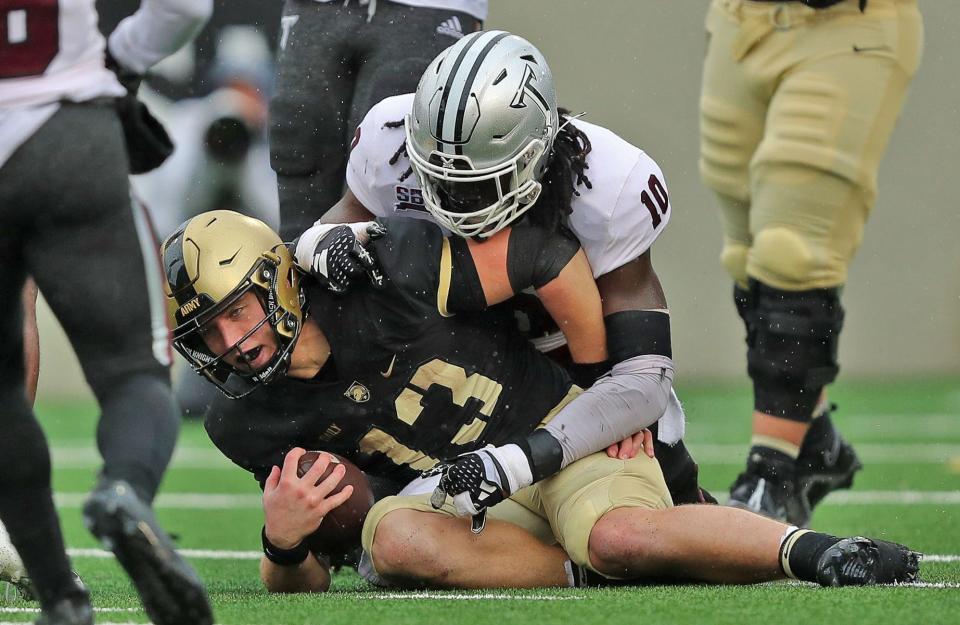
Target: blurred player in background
[
  {"x": 798, "y": 103},
  {"x": 67, "y": 220},
  {"x": 222, "y": 160},
  {"x": 336, "y": 60}
]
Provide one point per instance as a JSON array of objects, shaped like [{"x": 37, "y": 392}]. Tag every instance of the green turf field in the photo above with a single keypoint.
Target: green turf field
[{"x": 907, "y": 435}]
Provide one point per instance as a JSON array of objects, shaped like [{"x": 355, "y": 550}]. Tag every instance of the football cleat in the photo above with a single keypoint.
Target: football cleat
[
  {"x": 171, "y": 591},
  {"x": 822, "y": 471},
  {"x": 73, "y": 609},
  {"x": 769, "y": 492},
  {"x": 860, "y": 561}
]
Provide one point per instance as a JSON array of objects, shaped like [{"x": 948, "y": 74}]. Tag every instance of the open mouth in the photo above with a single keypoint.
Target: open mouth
[{"x": 250, "y": 360}]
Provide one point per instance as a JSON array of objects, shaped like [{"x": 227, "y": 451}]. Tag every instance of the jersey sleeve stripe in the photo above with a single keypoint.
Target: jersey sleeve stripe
[{"x": 446, "y": 271}]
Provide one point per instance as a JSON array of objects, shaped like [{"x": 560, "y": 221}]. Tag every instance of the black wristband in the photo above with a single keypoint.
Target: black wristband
[
  {"x": 283, "y": 557},
  {"x": 544, "y": 453}
]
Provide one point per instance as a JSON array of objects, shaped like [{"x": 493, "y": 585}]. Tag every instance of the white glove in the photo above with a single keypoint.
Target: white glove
[
  {"x": 480, "y": 479},
  {"x": 335, "y": 255}
]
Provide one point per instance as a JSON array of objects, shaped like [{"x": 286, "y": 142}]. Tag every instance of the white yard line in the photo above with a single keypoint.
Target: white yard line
[
  {"x": 441, "y": 596},
  {"x": 941, "y": 558},
  {"x": 189, "y": 501},
  {"x": 713, "y": 453},
  {"x": 7, "y": 610},
  {"x": 934, "y": 427},
  {"x": 98, "y": 623},
  {"x": 223, "y": 501},
  {"x": 69, "y": 457},
  {"x": 220, "y": 554},
  {"x": 208, "y": 554}
]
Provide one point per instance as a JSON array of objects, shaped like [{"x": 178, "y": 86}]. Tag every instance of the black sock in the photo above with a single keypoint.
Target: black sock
[
  {"x": 821, "y": 436},
  {"x": 801, "y": 550},
  {"x": 771, "y": 464}
]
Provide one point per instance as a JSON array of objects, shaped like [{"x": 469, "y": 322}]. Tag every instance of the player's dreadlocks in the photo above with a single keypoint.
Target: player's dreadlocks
[{"x": 566, "y": 171}]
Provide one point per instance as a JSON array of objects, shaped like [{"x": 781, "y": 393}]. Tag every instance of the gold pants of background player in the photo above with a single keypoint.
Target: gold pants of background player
[{"x": 797, "y": 107}]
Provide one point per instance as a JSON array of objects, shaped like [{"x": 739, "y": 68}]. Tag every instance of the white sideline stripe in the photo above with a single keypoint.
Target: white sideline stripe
[
  {"x": 183, "y": 458},
  {"x": 219, "y": 554},
  {"x": 190, "y": 501},
  {"x": 874, "y": 453},
  {"x": 207, "y": 554},
  {"x": 933, "y": 426},
  {"x": 896, "y": 497},
  {"x": 940, "y": 558},
  {"x": 31, "y": 610},
  {"x": 714, "y": 453},
  {"x": 931, "y": 585},
  {"x": 215, "y": 501}
]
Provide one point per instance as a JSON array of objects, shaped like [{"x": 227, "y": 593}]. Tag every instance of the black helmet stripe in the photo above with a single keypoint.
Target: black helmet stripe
[
  {"x": 456, "y": 83},
  {"x": 468, "y": 88},
  {"x": 448, "y": 86},
  {"x": 181, "y": 285}
]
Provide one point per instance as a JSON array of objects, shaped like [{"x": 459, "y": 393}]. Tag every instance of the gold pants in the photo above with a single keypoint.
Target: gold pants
[
  {"x": 561, "y": 509},
  {"x": 797, "y": 106}
]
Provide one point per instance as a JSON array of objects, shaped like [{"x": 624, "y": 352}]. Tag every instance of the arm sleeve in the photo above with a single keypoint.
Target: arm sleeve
[
  {"x": 633, "y": 396},
  {"x": 157, "y": 29}
]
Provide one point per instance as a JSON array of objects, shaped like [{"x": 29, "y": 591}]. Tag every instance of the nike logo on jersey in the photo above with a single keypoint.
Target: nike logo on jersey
[{"x": 389, "y": 370}]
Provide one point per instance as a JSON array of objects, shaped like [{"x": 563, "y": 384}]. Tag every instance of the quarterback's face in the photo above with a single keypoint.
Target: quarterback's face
[{"x": 224, "y": 335}]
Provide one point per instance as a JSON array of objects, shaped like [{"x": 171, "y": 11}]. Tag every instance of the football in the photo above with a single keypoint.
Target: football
[{"x": 339, "y": 533}]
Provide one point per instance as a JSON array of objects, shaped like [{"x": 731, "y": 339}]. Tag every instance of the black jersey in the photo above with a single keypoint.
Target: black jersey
[{"x": 409, "y": 383}]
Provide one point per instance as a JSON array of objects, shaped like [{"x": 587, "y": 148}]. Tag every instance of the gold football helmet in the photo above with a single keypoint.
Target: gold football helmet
[{"x": 210, "y": 262}]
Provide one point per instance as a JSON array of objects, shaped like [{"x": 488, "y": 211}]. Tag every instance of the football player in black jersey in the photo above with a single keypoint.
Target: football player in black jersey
[{"x": 399, "y": 379}]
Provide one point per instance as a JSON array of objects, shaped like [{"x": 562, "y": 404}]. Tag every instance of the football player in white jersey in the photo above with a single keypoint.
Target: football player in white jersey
[
  {"x": 336, "y": 60},
  {"x": 67, "y": 220},
  {"x": 612, "y": 195}
]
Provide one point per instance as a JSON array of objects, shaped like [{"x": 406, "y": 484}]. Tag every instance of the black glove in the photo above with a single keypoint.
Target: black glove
[
  {"x": 148, "y": 144},
  {"x": 339, "y": 258}
]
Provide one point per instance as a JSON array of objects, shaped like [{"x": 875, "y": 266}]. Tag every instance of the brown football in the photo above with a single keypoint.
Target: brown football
[{"x": 340, "y": 530}]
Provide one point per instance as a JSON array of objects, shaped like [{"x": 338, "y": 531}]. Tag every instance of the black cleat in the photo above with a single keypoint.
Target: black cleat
[
  {"x": 769, "y": 490},
  {"x": 171, "y": 591},
  {"x": 860, "y": 561},
  {"x": 73, "y": 609},
  {"x": 822, "y": 471}
]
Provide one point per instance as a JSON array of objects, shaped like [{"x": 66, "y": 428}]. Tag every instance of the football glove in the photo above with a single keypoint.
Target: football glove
[
  {"x": 148, "y": 144},
  {"x": 480, "y": 479},
  {"x": 339, "y": 257}
]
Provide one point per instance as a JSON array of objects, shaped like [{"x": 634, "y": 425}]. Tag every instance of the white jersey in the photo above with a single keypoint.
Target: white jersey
[
  {"x": 476, "y": 8},
  {"x": 53, "y": 51},
  {"x": 616, "y": 220}
]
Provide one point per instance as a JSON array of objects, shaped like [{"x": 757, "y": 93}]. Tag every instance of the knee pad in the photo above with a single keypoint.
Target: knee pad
[
  {"x": 733, "y": 258},
  {"x": 792, "y": 339},
  {"x": 783, "y": 257}
]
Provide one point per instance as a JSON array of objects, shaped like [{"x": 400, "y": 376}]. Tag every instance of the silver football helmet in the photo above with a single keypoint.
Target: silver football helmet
[{"x": 479, "y": 136}]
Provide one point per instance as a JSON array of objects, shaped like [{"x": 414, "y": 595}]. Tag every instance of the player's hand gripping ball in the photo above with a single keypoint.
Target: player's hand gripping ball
[{"x": 340, "y": 530}]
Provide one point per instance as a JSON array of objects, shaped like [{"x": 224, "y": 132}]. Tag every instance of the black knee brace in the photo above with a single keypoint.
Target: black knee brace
[{"x": 792, "y": 339}]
